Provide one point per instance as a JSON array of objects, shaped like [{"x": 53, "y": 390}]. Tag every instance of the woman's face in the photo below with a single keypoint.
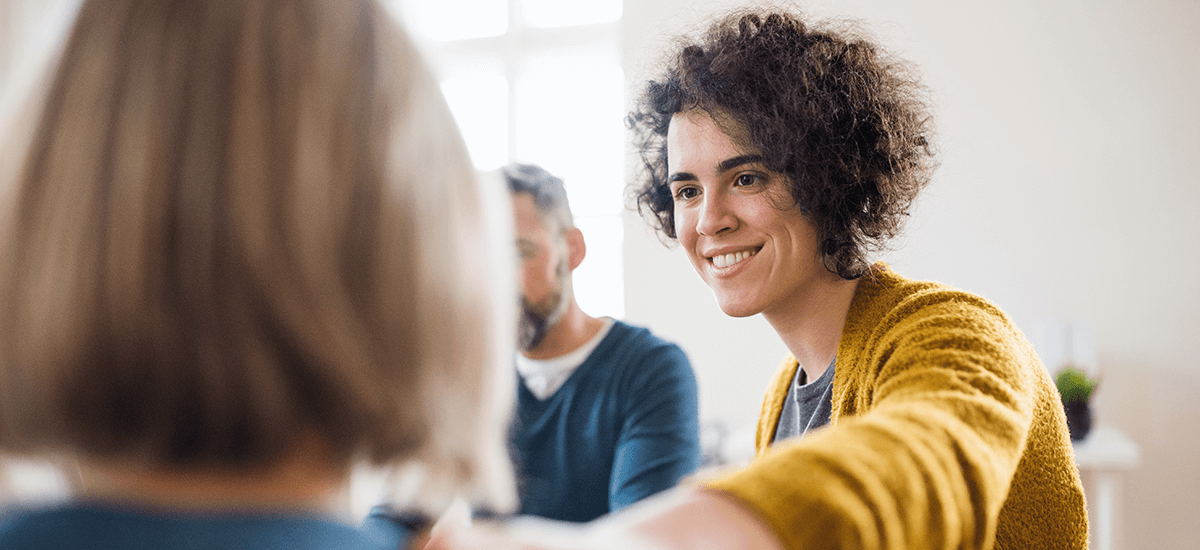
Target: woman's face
[{"x": 737, "y": 221}]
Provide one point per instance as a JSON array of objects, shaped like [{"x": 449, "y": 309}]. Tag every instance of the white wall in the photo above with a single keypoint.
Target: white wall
[{"x": 1068, "y": 133}]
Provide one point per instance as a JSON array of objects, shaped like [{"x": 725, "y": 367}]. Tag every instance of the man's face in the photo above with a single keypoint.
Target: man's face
[{"x": 544, "y": 273}]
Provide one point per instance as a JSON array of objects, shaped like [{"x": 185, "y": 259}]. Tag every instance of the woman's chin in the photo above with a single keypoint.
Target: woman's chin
[{"x": 738, "y": 308}]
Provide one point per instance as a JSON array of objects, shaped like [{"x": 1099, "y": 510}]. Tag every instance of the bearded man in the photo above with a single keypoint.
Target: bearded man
[{"x": 607, "y": 412}]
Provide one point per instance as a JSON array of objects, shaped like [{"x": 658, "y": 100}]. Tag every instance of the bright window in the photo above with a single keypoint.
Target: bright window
[
  {"x": 480, "y": 107},
  {"x": 563, "y": 13},
  {"x": 458, "y": 19},
  {"x": 568, "y": 119},
  {"x": 539, "y": 81}
]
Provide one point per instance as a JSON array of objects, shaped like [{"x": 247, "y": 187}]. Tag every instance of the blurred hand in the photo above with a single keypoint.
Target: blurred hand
[
  {"x": 684, "y": 518},
  {"x": 523, "y": 533}
]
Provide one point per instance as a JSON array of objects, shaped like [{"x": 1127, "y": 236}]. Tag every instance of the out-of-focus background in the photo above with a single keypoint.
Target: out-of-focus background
[{"x": 1067, "y": 192}]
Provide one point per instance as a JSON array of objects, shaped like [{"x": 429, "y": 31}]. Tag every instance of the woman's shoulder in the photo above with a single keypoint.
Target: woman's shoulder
[
  {"x": 890, "y": 311},
  {"x": 76, "y": 525},
  {"x": 885, "y": 295},
  {"x": 24, "y": 527}
]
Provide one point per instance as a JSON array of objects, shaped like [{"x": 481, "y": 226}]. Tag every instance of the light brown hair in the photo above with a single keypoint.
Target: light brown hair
[{"x": 239, "y": 220}]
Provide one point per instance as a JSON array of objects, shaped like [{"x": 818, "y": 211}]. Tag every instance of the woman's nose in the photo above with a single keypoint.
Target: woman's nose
[{"x": 716, "y": 216}]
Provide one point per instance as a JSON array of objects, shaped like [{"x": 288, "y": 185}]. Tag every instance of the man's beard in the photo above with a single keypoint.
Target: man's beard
[{"x": 538, "y": 318}]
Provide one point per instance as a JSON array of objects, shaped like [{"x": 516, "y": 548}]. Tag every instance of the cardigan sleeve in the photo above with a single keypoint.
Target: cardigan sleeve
[{"x": 935, "y": 410}]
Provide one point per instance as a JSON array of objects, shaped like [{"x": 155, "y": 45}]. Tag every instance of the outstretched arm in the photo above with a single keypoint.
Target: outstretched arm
[{"x": 686, "y": 518}]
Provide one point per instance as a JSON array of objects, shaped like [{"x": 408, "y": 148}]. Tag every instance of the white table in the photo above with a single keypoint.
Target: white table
[{"x": 1101, "y": 457}]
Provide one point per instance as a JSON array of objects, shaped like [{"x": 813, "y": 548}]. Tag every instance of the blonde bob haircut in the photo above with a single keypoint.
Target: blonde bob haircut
[{"x": 239, "y": 221}]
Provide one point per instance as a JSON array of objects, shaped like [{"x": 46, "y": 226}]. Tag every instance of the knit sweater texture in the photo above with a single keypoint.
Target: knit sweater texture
[{"x": 946, "y": 432}]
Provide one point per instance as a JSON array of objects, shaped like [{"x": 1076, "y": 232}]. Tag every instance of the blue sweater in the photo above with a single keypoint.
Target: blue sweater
[
  {"x": 623, "y": 427},
  {"x": 83, "y": 526}
]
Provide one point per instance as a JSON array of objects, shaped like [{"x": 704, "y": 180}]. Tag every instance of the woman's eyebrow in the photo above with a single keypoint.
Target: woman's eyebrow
[
  {"x": 681, "y": 176},
  {"x": 729, "y": 164},
  {"x": 722, "y": 167}
]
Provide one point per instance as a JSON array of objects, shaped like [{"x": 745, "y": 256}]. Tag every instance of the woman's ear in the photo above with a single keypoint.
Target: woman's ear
[{"x": 576, "y": 248}]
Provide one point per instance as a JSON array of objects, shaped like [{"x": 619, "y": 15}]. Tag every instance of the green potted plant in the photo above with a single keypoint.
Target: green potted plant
[{"x": 1076, "y": 387}]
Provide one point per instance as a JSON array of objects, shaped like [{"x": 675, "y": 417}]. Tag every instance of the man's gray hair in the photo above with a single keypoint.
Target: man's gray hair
[{"x": 546, "y": 189}]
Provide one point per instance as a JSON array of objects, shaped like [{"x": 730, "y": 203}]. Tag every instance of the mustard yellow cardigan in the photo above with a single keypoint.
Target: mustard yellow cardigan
[{"x": 946, "y": 432}]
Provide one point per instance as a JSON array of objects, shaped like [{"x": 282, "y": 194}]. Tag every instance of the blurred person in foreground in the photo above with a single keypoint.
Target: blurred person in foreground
[
  {"x": 606, "y": 411},
  {"x": 246, "y": 250},
  {"x": 782, "y": 155}
]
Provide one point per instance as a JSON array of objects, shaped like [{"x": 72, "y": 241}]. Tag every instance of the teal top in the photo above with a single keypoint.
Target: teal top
[
  {"x": 625, "y": 425},
  {"x": 77, "y": 525}
]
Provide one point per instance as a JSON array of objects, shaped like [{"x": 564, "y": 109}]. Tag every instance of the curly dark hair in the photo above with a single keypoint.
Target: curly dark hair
[{"x": 847, "y": 124}]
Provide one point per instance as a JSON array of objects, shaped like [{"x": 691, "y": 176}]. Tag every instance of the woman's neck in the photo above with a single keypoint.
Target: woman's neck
[
  {"x": 811, "y": 325},
  {"x": 303, "y": 480}
]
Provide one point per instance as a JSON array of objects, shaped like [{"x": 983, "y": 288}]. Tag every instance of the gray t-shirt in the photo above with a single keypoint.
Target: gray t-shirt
[{"x": 808, "y": 405}]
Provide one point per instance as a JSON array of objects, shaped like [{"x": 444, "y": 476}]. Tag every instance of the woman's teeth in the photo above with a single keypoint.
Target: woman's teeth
[{"x": 726, "y": 260}]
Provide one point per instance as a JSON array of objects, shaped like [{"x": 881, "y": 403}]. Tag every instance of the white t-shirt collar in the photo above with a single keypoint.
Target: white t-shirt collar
[{"x": 544, "y": 377}]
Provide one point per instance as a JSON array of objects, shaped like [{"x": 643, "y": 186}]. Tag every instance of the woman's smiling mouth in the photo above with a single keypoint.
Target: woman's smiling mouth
[{"x": 726, "y": 260}]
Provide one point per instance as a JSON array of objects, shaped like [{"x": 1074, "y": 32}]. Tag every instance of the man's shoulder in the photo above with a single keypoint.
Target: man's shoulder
[
  {"x": 636, "y": 354},
  {"x": 640, "y": 369},
  {"x": 629, "y": 336}
]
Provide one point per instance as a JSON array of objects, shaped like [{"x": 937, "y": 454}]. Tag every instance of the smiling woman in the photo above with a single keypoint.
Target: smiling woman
[
  {"x": 782, "y": 155},
  {"x": 750, "y": 244},
  {"x": 855, "y": 151}
]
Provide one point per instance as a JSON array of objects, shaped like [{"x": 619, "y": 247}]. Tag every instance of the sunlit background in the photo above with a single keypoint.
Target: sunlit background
[{"x": 540, "y": 81}]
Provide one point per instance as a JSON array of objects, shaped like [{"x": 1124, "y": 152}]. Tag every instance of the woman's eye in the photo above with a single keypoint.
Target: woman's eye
[
  {"x": 686, "y": 193},
  {"x": 746, "y": 180}
]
